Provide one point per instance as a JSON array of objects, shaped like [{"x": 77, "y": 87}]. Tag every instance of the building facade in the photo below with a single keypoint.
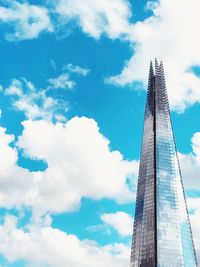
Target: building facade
[{"x": 162, "y": 234}]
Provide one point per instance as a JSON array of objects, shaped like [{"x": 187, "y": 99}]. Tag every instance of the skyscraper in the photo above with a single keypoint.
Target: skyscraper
[{"x": 162, "y": 234}]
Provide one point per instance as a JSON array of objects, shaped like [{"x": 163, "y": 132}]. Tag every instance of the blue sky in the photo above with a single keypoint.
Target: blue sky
[{"x": 73, "y": 76}]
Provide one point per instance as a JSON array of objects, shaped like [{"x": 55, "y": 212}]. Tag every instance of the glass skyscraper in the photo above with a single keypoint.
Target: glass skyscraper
[{"x": 162, "y": 234}]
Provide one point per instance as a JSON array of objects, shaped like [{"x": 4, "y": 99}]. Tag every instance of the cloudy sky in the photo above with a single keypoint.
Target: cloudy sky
[{"x": 73, "y": 75}]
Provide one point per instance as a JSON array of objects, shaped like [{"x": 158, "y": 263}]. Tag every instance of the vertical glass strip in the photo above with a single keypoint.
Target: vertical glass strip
[
  {"x": 175, "y": 246},
  {"x": 143, "y": 247}
]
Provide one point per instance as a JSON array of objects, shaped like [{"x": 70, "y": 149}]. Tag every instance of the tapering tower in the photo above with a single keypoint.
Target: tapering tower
[{"x": 162, "y": 234}]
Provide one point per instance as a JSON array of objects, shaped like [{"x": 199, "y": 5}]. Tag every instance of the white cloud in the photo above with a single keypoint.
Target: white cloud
[
  {"x": 63, "y": 81},
  {"x": 96, "y": 17},
  {"x": 50, "y": 247},
  {"x": 14, "y": 180},
  {"x": 190, "y": 165},
  {"x": 27, "y": 21},
  {"x": 78, "y": 155},
  {"x": 80, "y": 164},
  {"x": 34, "y": 103},
  {"x": 122, "y": 222},
  {"x": 77, "y": 69},
  {"x": 15, "y": 88},
  {"x": 168, "y": 35},
  {"x": 164, "y": 34}
]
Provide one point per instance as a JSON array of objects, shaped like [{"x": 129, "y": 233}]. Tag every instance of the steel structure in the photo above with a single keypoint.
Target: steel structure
[{"x": 162, "y": 234}]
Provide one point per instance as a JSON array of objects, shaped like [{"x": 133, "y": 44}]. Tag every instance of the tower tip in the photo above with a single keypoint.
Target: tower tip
[
  {"x": 151, "y": 69},
  {"x": 156, "y": 63},
  {"x": 161, "y": 67}
]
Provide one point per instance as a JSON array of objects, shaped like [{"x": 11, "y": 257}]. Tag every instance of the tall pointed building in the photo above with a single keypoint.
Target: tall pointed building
[{"x": 162, "y": 234}]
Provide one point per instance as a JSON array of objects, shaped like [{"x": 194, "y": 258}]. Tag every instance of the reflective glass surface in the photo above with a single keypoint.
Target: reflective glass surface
[
  {"x": 162, "y": 234},
  {"x": 143, "y": 246},
  {"x": 174, "y": 238}
]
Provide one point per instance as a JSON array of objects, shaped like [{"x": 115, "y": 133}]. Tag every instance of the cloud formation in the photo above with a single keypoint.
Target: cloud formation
[
  {"x": 97, "y": 17},
  {"x": 80, "y": 164},
  {"x": 25, "y": 21},
  {"x": 47, "y": 246},
  {"x": 190, "y": 164},
  {"x": 76, "y": 69},
  {"x": 63, "y": 81},
  {"x": 33, "y": 102},
  {"x": 168, "y": 35},
  {"x": 79, "y": 160},
  {"x": 164, "y": 34},
  {"x": 122, "y": 222}
]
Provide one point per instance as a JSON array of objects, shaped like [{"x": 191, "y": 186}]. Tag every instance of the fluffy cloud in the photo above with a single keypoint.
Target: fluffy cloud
[
  {"x": 96, "y": 17},
  {"x": 26, "y": 21},
  {"x": 79, "y": 160},
  {"x": 122, "y": 222},
  {"x": 164, "y": 34},
  {"x": 64, "y": 81},
  {"x": 80, "y": 164},
  {"x": 168, "y": 35},
  {"x": 77, "y": 69},
  {"x": 34, "y": 103},
  {"x": 61, "y": 82},
  {"x": 46, "y": 246},
  {"x": 14, "y": 181},
  {"x": 190, "y": 164}
]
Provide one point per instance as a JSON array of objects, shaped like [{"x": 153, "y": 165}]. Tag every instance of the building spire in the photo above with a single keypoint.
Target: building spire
[
  {"x": 156, "y": 64},
  {"x": 151, "y": 71},
  {"x": 162, "y": 235}
]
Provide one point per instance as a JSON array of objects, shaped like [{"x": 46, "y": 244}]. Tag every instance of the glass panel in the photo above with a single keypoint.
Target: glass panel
[
  {"x": 174, "y": 239},
  {"x": 142, "y": 253},
  {"x": 173, "y": 236}
]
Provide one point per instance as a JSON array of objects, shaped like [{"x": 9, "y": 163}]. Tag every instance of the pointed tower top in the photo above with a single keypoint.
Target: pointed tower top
[
  {"x": 151, "y": 70},
  {"x": 161, "y": 68},
  {"x": 156, "y": 67},
  {"x": 156, "y": 63}
]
